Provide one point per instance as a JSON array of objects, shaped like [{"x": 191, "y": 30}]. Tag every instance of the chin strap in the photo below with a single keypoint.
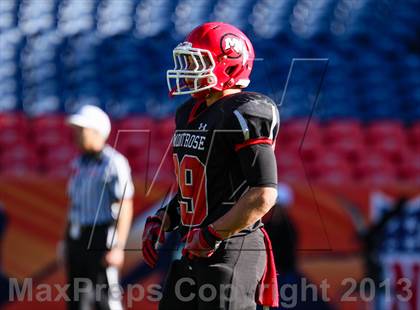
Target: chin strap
[{"x": 202, "y": 95}]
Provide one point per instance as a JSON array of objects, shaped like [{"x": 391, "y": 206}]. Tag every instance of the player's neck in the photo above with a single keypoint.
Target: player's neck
[{"x": 216, "y": 96}]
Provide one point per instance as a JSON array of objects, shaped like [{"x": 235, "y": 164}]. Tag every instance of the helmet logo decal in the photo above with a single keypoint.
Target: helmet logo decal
[{"x": 232, "y": 45}]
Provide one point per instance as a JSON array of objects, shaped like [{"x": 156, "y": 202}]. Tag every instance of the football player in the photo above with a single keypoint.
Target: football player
[{"x": 223, "y": 152}]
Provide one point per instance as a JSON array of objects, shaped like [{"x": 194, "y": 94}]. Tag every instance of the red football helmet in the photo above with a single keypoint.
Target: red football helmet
[{"x": 214, "y": 56}]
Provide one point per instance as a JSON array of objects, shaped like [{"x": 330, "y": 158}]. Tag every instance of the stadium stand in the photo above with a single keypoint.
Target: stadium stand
[{"x": 58, "y": 54}]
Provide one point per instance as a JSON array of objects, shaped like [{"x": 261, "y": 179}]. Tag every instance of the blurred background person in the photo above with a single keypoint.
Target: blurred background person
[
  {"x": 284, "y": 240},
  {"x": 100, "y": 192},
  {"x": 379, "y": 237}
]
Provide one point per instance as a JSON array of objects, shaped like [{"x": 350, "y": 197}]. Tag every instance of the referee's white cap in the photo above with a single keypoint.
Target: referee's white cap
[{"x": 90, "y": 116}]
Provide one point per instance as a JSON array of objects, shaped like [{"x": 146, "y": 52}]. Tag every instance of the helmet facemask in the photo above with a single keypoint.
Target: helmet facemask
[{"x": 193, "y": 71}]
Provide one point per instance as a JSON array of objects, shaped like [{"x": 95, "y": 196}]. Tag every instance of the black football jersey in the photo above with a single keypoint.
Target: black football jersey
[{"x": 207, "y": 145}]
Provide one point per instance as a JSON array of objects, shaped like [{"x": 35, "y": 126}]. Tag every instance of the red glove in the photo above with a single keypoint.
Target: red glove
[
  {"x": 201, "y": 242},
  {"x": 152, "y": 233}
]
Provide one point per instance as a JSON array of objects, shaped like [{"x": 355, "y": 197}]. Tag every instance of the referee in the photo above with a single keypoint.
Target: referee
[{"x": 100, "y": 191}]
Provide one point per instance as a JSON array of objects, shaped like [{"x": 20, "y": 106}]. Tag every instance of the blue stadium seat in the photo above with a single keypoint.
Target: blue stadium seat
[{"x": 118, "y": 51}]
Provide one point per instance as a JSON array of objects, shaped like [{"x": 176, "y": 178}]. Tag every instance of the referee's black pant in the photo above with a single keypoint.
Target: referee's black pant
[
  {"x": 227, "y": 280},
  {"x": 91, "y": 281}
]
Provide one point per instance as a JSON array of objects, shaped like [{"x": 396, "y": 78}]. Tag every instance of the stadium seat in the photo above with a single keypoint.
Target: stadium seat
[
  {"x": 166, "y": 128},
  {"x": 48, "y": 139},
  {"x": 392, "y": 149},
  {"x": 293, "y": 131},
  {"x": 19, "y": 159},
  {"x": 13, "y": 129},
  {"x": 288, "y": 158},
  {"x": 135, "y": 134},
  {"x": 60, "y": 171},
  {"x": 342, "y": 129},
  {"x": 137, "y": 122},
  {"x": 50, "y": 130},
  {"x": 335, "y": 177},
  {"x": 352, "y": 150},
  {"x": 291, "y": 175},
  {"x": 290, "y": 166},
  {"x": 19, "y": 168},
  {"x": 329, "y": 163},
  {"x": 49, "y": 122},
  {"x": 13, "y": 121},
  {"x": 330, "y": 160},
  {"x": 414, "y": 134},
  {"x": 54, "y": 56},
  {"x": 380, "y": 177},
  {"x": 133, "y": 142},
  {"x": 20, "y": 152},
  {"x": 386, "y": 130},
  {"x": 375, "y": 167},
  {"x": 409, "y": 167},
  {"x": 58, "y": 156},
  {"x": 10, "y": 137},
  {"x": 312, "y": 149}
]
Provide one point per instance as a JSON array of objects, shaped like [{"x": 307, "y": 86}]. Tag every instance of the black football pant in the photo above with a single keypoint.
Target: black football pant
[
  {"x": 227, "y": 280},
  {"x": 89, "y": 278}
]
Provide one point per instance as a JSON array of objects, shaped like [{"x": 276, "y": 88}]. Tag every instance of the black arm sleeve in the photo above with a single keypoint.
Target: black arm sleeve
[
  {"x": 258, "y": 165},
  {"x": 253, "y": 128},
  {"x": 172, "y": 211}
]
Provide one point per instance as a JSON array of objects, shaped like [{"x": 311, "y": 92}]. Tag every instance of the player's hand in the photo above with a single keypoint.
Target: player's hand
[
  {"x": 201, "y": 242},
  {"x": 152, "y": 233},
  {"x": 115, "y": 257}
]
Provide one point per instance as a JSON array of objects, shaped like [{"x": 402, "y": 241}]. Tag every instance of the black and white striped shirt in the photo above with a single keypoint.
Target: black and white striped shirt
[{"x": 96, "y": 183}]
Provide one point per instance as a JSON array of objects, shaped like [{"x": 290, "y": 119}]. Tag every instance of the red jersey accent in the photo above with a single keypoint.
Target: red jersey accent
[{"x": 253, "y": 142}]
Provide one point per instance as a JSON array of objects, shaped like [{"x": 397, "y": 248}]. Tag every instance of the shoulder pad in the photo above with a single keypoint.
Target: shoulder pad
[
  {"x": 256, "y": 105},
  {"x": 256, "y": 116}
]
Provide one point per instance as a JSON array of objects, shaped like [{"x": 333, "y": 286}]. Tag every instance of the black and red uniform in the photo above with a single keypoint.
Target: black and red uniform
[{"x": 219, "y": 152}]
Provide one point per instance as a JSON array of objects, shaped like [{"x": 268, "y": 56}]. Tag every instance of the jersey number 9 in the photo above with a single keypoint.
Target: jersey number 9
[{"x": 191, "y": 176}]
